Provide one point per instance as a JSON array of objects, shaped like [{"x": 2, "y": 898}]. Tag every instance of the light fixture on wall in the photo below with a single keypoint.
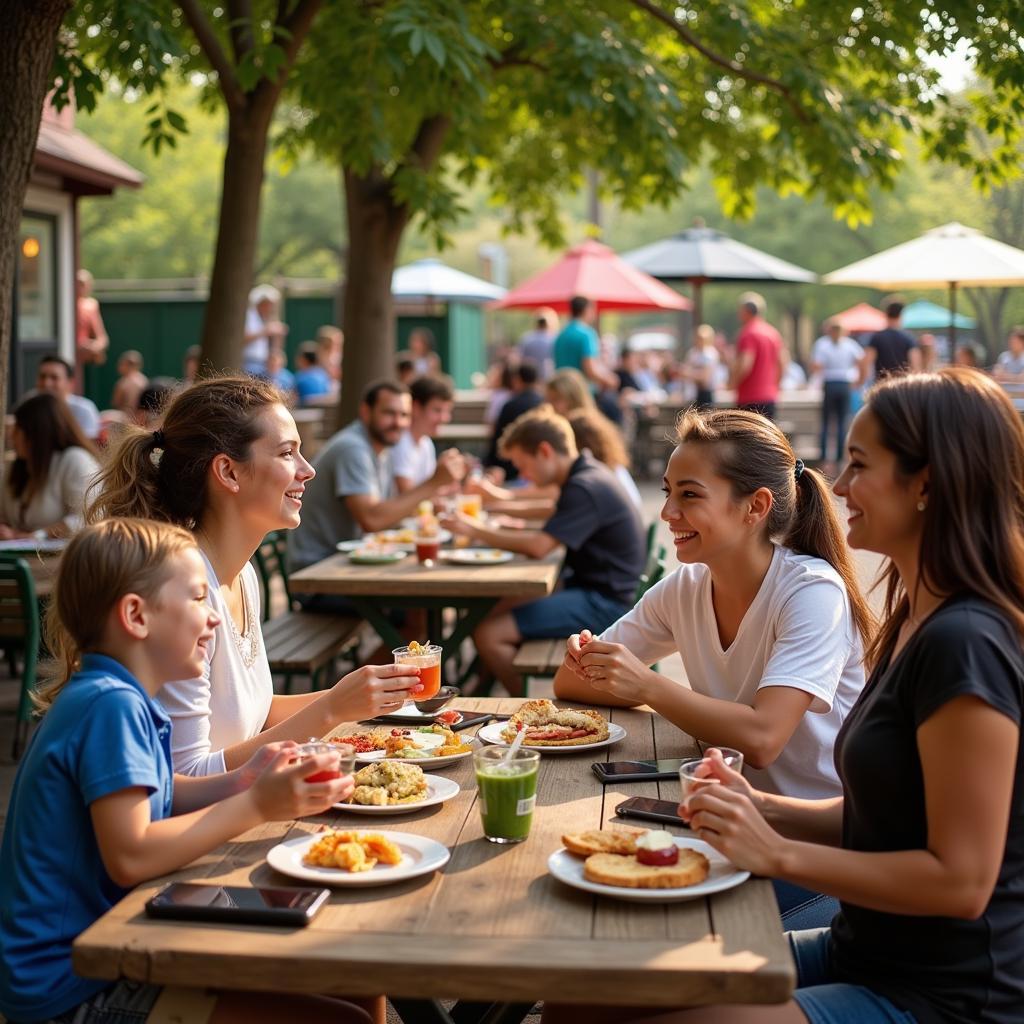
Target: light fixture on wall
[{"x": 30, "y": 247}]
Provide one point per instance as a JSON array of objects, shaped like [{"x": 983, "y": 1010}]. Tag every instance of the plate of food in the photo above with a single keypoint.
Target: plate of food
[
  {"x": 396, "y": 787},
  {"x": 552, "y": 729},
  {"x": 651, "y": 866},
  {"x": 477, "y": 556},
  {"x": 377, "y": 555},
  {"x": 429, "y": 746},
  {"x": 349, "y": 857}
]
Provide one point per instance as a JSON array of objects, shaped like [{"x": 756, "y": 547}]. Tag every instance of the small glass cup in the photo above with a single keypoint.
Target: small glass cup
[
  {"x": 693, "y": 774},
  {"x": 428, "y": 549},
  {"x": 507, "y": 792},
  {"x": 471, "y": 505},
  {"x": 428, "y": 661},
  {"x": 346, "y": 759}
]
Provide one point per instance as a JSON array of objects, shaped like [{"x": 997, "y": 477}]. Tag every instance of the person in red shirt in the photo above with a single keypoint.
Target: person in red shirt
[{"x": 760, "y": 359}]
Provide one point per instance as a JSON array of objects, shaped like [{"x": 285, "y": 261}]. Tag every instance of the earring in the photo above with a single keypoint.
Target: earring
[{"x": 921, "y": 506}]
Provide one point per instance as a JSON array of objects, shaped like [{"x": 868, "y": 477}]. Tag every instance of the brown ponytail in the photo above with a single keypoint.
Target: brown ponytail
[
  {"x": 751, "y": 452},
  {"x": 163, "y": 474},
  {"x": 101, "y": 564}
]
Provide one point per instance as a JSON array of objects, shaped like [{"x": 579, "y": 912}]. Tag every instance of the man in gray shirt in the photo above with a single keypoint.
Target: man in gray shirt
[{"x": 351, "y": 493}]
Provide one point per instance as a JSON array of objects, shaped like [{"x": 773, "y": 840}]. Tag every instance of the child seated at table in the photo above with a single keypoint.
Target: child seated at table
[
  {"x": 765, "y": 612},
  {"x": 96, "y": 808}
]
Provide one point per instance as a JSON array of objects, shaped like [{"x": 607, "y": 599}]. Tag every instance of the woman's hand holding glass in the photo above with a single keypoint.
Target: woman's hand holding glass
[
  {"x": 727, "y": 815},
  {"x": 374, "y": 690}
]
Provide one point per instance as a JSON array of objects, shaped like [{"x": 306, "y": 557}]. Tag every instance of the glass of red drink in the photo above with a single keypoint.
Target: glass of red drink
[
  {"x": 427, "y": 658},
  {"x": 346, "y": 759},
  {"x": 428, "y": 549}
]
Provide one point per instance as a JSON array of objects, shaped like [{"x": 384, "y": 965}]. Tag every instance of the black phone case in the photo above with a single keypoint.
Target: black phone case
[
  {"x": 628, "y": 812},
  {"x": 284, "y": 917},
  {"x": 653, "y": 776}
]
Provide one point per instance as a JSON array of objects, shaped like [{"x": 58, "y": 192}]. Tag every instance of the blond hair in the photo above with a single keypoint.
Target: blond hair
[
  {"x": 572, "y": 388},
  {"x": 101, "y": 564},
  {"x": 541, "y": 424}
]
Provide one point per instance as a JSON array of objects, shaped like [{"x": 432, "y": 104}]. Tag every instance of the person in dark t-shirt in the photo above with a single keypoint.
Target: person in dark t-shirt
[
  {"x": 925, "y": 849},
  {"x": 891, "y": 350},
  {"x": 594, "y": 519},
  {"x": 525, "y": 397}
]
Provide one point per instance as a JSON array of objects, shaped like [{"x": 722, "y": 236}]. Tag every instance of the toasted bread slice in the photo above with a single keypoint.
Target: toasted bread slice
[
  {"x": 628, "y": 872},
  {"x": 583, "y": 844}
]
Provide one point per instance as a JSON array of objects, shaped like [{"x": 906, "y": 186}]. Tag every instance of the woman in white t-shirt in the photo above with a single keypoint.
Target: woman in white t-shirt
[
  {"x": 765, "y": 610},
  {"x": 226, "y": 464},
  {"x": 839, "y": 361}
]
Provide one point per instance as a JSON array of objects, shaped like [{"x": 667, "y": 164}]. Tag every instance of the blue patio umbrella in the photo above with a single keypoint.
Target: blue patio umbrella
[{"x": 929, "y": 316}]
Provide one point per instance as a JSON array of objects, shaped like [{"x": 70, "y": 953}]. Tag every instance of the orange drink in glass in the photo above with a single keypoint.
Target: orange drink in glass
[
  {"x": 471, "y": 505},
  {"x": 427, "y": 658}
]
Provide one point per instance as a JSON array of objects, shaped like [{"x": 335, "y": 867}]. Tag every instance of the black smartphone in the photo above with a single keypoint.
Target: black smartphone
[
  {"x": 637, "y": 771},
  {"x": 236, "y": 904},
  {"x": 651, "y": 810}
]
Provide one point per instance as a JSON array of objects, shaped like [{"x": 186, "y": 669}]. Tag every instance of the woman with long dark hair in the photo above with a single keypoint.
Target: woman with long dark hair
[
  {"x": 44, "y": 492},
  {"x": 925, "y": 846}
]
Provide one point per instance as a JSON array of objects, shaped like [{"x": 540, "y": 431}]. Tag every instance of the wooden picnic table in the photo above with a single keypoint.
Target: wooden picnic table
[
  {"x": 493, "y": 925},
  {"x": 472, "y": 590}
]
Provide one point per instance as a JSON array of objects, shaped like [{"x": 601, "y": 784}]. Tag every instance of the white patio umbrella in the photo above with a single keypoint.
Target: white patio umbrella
[
  {"x": 945, "y": 257},
  {"x": 432, "y": 279}
]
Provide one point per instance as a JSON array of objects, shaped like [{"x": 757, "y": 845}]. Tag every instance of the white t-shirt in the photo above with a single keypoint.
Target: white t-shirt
[
  {"x": 230, "y": 702},
  {"x": 798, "y": 632},
  {"x": 257, "y": 349},
  {"x": 838, "y": 359},
  {"x": 416, "y": 460},
  {"x": 61, "y": 499}
]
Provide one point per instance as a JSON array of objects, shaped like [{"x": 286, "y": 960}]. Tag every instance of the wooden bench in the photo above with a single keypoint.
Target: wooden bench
[
  {"x": 299, "y": 643},
  {"x": 539, "y": 657}
]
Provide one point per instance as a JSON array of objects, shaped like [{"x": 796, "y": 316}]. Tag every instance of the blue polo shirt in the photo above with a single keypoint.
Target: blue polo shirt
[
  {"x": 578, "y": 341},
  {"x": 103, "y": 734}
]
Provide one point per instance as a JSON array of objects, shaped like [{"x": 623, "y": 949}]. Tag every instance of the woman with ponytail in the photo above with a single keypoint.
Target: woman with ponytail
[
  {"x": 764, "y": 611},
  {"x": 226, "y": 465}
]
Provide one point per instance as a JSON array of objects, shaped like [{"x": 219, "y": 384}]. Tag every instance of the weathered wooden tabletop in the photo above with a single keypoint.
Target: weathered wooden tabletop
[{"x": 493, "y": 924}]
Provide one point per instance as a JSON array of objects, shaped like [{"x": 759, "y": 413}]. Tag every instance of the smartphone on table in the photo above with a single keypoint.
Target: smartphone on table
[
  {"x": 637, "y": 771},
  {"x": 650, "y": 809},
  {"x": 237, "y": 904}
]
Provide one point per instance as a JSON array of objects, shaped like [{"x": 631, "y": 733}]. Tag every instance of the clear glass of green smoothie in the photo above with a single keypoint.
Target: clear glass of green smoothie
[{"x": 507, "y": 791}]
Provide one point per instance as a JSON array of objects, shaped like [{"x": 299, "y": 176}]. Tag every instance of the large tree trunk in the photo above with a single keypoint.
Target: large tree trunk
[
  {"x": 375, "y": 226},
  {"x": 26, "y": 56},
  {"x": 237, "y": 237}
]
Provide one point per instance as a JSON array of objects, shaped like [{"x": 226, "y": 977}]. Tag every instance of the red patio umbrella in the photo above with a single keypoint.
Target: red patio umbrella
[
  {"x": 861, "y": 318},
  {"x": 596, "y": 272}
]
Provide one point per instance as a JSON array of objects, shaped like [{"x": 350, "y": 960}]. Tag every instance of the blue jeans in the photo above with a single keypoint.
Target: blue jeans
[
  {"x": 567, "y": 611},
  {"x": 835, "y": 407},
  {"x": 801, "y": 908},
  {"x": 824, "y": 1001}
]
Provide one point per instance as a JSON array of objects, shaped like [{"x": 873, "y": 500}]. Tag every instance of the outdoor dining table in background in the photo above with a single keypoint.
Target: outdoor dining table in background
[
  {"x": 472, "y": 590},
  {"x": 492, "y": 926}
]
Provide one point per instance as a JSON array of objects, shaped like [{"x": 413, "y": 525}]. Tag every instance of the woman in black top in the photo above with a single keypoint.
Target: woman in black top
[{"x": 925, "y": 850}]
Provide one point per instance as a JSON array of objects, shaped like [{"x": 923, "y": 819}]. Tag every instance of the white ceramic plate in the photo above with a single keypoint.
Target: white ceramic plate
[
  {"x": 371, "y": 557},
  {"x": 439, "y": 789},
  {"x": 420, "y": 856},
  {"x": 423, "y": 762},
  {"x": 477, "y": 556},
  {"x": 491, "y": 733},
  {"x": 723, "y": 875}
]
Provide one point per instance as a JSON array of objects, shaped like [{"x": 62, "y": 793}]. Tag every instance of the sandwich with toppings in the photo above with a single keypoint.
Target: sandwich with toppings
[{"x": 549, "y": 726}]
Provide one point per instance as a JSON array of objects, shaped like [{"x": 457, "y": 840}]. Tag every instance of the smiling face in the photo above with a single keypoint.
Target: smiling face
[
  {"x": 271, "y": 483},
  {"x": 706, "y": 519},
  {"x": 181, "y": 622},
  {"x": 388, "y": 418},
  {"x": 881, "y": 504},
  {"x": 427, "y": 419}
]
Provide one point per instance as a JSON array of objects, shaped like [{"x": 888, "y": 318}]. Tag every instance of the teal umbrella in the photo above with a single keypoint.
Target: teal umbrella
[{"x": 929, "y": 316}]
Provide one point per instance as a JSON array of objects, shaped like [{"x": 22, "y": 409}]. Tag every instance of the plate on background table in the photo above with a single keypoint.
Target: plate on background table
[
  {"x": 374, "y": 556},
  {"x": 423, "y": 762},
  {"x": 492, "y": 734},
  {"x": 568, "y": 868},
  {"x": 477, "y": 556},
  {"x": 439, "y": 789},
  {"x": 420, "y": 856}
]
